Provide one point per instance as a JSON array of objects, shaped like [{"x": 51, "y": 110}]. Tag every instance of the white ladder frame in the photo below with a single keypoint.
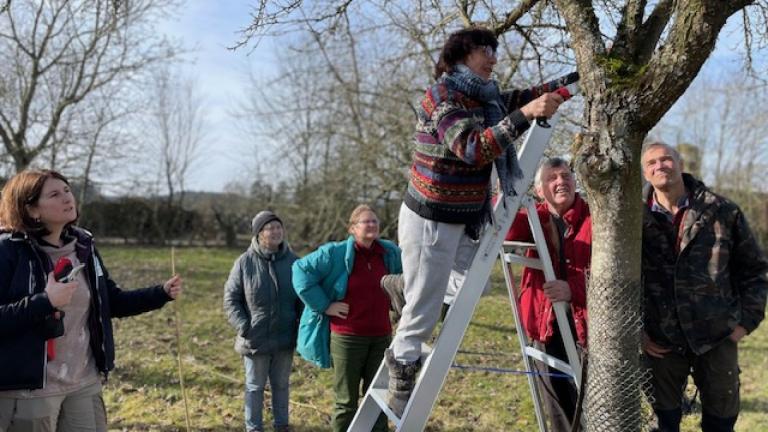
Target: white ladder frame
[
  {"x": 436, "y": 362},
  {"x": 544, "y": 263}
]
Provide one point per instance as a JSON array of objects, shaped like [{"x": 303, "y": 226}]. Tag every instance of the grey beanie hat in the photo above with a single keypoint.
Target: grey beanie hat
[{"x": 261, "y": 219}]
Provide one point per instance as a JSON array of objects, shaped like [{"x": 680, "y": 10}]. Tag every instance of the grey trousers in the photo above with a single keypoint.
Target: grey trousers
[
  {"x": 430, "y": 251},
  {"x": 80, "y": 411}
]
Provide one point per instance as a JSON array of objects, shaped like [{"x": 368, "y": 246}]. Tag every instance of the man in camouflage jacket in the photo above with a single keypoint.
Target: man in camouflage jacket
[{"x": 705, "y": 284}]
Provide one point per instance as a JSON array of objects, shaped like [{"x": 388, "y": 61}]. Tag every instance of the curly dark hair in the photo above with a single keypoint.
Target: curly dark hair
[{"x": 460, "y": 44}]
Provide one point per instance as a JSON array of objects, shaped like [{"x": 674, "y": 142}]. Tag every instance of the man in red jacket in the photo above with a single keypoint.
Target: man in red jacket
[{"x": 567, "y": 226}]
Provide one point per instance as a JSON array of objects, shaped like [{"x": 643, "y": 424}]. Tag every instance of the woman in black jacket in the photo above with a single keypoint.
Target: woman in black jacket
[{"x": 59, "y": 333}]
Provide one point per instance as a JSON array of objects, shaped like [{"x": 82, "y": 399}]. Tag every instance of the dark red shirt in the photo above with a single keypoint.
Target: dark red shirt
[{"x": 368, "y": 303}]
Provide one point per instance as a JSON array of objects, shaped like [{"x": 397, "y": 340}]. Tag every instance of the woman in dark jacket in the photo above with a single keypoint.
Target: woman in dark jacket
[
  {"x": 262, "y": 306},
  {"x": 60, "y": 333}
]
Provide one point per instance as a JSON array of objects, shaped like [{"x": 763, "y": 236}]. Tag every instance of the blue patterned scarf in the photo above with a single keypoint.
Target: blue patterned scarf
[{"x": 486, "y": 91}]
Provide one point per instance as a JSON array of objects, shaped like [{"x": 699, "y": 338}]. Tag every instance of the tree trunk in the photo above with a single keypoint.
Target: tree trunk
[
  {"x": 21, "y": 158},
  {"x": 608, "y": 166}
]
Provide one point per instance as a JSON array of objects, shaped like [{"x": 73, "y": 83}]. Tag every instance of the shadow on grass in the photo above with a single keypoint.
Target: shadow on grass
[
  {"x": 756, "y": 348},
  {"x": 166, "y": 378},
  {"x": 496, "y": 328},
  {"x": 754, "y": 405},
  {"x": 219, "y": 428},
  {"x": 152, "y": 427}
]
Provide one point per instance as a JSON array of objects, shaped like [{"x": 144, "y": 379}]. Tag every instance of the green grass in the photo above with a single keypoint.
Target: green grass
[{"x": 144, "y": 394}]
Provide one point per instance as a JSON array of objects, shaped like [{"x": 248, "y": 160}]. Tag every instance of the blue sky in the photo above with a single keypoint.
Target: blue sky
[{"x": 207, "y": 28}]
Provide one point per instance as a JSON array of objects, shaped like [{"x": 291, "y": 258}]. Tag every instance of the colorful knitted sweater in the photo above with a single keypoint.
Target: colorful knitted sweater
[{"x": 454, "y": 151}]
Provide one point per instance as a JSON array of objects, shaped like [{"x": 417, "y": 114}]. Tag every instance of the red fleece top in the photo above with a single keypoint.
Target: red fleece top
[
  {"x": 368, "y": 303},
  {"x": 535, "y": 309}
]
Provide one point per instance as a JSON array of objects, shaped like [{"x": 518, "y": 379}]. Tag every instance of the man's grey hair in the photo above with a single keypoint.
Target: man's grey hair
[
  {"x": 651, "y": 144},
  {"x": 550, "y": 162}
]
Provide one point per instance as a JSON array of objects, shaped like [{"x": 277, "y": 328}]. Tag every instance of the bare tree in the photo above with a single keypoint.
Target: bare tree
[
  {"x": 630, "y": 80},
  {"x": 54, "y": 55},
  {"x": 175, "y": 128},
  {"x": 177, "y": 125}
]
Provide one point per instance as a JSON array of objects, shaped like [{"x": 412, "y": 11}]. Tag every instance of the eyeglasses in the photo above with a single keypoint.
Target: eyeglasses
[
  {"x": 368, "y": 222},
  {"x": 488, "y": 50}
]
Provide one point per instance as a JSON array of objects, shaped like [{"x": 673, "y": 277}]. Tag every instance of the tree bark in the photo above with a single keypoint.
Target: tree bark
[
  {"x": 612, "y": 183},
  {"x": 627, "y": 88}
]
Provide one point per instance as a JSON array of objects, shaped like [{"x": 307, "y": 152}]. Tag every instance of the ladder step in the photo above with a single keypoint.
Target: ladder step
[
  {"x": 380, "y": 396},
  {"x": 550, "y": 361},
  {"x": 534, "y": 263},
  {"x": 375, "y": 399},
  {"x": 518, "y": 244}
]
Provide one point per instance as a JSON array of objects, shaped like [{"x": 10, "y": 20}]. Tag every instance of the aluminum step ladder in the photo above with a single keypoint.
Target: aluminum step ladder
[
  {"x": 437, "y": 361},
  {"x": 513, "y": 252}
]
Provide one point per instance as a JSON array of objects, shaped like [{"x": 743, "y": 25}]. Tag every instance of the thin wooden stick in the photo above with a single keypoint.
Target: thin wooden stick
[{"x": 177, "y": 319}]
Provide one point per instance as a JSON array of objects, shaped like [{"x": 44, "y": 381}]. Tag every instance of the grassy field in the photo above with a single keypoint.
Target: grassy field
[{"x": 143, "y": 392}]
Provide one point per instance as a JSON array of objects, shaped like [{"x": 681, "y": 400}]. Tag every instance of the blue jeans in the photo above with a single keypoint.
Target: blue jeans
[{"x": 276, "y": 366}]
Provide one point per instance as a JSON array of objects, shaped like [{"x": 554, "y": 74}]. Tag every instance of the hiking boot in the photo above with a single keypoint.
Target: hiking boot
[
  {"x": 392, "y": 285},
  {"x": 402, "y": 379}
]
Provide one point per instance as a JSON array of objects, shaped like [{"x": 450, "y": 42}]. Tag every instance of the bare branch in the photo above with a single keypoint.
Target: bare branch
[
  {"x": 465, "y": 15},
  {"x": 269, "y": 14},
  {"x": 512, "y": 17},
  {"x": 57, "y": 54}
]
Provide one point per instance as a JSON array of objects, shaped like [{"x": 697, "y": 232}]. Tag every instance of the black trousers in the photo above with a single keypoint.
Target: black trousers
[{"x": 559, "y": 394}]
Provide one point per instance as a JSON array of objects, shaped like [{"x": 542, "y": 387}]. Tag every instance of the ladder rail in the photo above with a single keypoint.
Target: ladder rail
[
  {"x": 561, "y": 313},
  {"x": 522, "y": 338},
  {"x": 435, "y": 369}
]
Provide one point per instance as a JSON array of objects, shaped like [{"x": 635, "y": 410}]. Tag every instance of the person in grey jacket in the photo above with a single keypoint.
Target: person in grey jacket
[{"x": 262, "y": 306}]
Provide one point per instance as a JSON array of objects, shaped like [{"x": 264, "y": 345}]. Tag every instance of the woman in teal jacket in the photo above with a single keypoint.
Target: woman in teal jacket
[{"x": 345, "y": 323}]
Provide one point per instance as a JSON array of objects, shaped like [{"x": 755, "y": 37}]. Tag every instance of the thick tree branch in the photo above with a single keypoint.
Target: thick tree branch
[
  {"x": 651, "y": 31},
  {"x": 672, "y": 67},
  {"x": 627, "y": 29},
  {"x": 586, "y": 40}
]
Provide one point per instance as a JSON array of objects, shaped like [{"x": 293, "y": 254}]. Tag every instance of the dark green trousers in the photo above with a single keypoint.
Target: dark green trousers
[{"x": 355, "y": 362}]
